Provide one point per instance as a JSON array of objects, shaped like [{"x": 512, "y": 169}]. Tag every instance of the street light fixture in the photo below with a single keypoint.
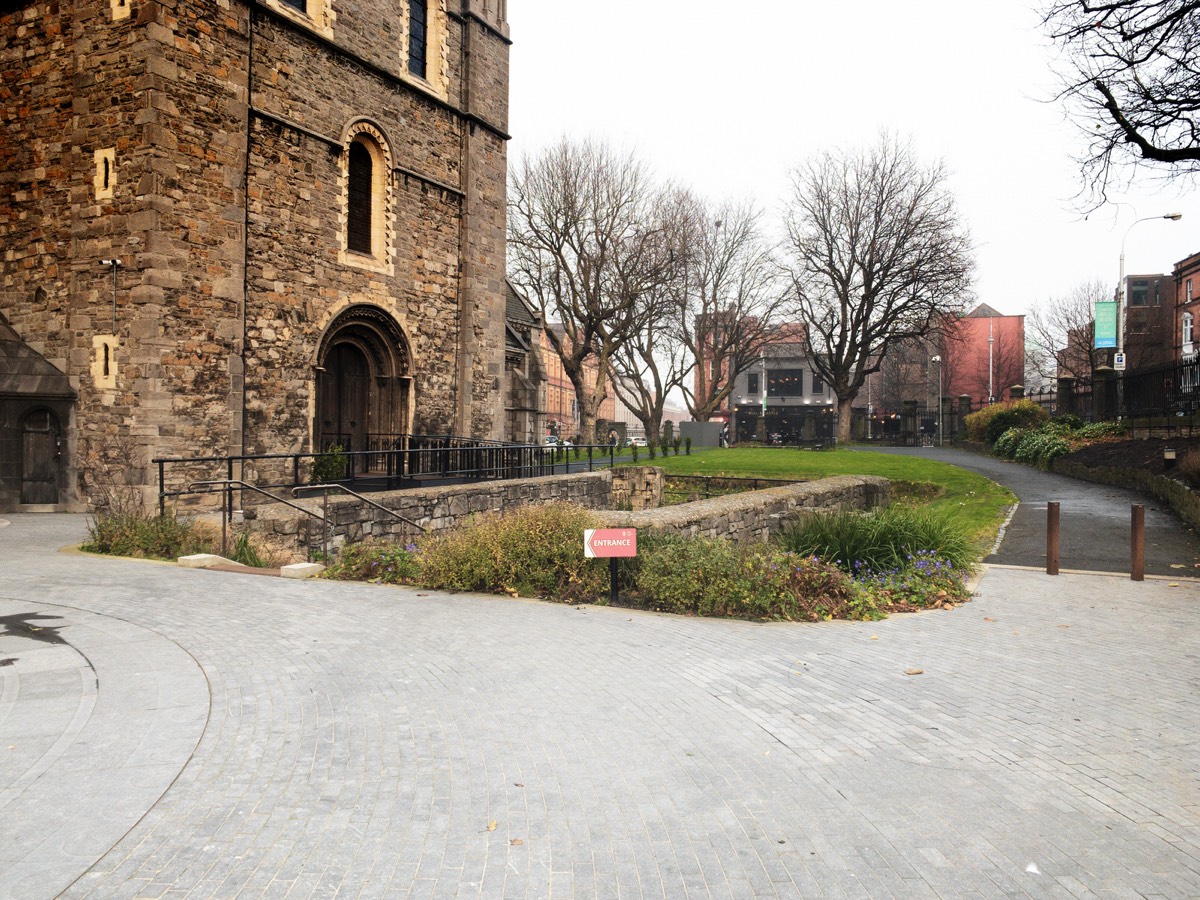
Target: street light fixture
[
  {"x": 941, "y": 433},
  {"x": 1174, "y": 217}
]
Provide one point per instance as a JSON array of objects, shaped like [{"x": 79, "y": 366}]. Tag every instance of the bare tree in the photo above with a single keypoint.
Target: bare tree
[
  {"x": 1061, "y": 331},
  {"x": 654, "y": 361},
  {"x": 731, "y": 304},
  {"x": 1130, "y": 71},
  {"x": 876, "y": 255},
  {"x": 584, "y": 245}
]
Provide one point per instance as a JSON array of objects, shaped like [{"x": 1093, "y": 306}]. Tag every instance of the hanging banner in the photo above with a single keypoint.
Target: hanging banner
[{"x": 1106, "y": 324}]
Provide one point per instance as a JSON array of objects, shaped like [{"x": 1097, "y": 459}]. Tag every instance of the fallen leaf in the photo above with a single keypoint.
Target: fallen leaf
[
  {"x": 986, "y": 619},
  {"x": 1064, "y": 626},
  {"x": 1172, "y": 584},
  {"x": 516, "y": 842},
  {"x": 1178, "y": 566},
  {"x": 491, "y": 826},
  {"x": 874, "y": 637},
  {"x": 518, "y": 784},
  {"x": 914, "y": 671}
]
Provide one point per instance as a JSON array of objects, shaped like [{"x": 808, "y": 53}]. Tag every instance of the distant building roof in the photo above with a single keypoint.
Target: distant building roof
[{"x": 983, "y": 311}]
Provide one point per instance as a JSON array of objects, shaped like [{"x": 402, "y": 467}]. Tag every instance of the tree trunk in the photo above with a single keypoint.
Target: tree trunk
[{"x": 843, "y": 420}]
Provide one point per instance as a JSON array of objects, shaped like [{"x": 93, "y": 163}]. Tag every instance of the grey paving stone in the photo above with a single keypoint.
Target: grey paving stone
[{"x": 350, "y": 740}]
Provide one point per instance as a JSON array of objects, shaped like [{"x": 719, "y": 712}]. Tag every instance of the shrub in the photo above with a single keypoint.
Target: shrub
[
  {"x": 1006, "y": 445},
  {"x": 137, "y": 533},
  {"x": 687, "y": 442},
  {"x": 880, "y": 541},
  {"x": 330, "y": 465},
  {"x": 1021, "y": 414},
  {"x": 1042, "y": 446},
  {"x": 676, "y": 444},
  {"x": 1012, "y": 414},
  {"x": 1188, "y": 468},
  {"x": 652, "y": 449},
  {"x": 534, "y": 551},
  {"x": 633, "y": 449},
  {"x": 381, "y": 563},
  {"x": 712, "y": 577},
  {"x": 1098, "y": 431}
]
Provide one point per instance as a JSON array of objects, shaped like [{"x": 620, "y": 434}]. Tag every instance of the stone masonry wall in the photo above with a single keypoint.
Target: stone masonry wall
[
  {"x": 436, "y": 509},
  {"x": 226, "y": 190},
  {"x": 754, "y": 515}
]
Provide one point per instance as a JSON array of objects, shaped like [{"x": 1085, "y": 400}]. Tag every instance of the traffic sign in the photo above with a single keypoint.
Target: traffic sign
[{"x": 1119, "y": 362}]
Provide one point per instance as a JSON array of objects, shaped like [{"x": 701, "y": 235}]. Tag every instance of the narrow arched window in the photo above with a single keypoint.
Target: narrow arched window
[
  {"x": 358, "y": 213},
  {"x": 418, "y": 31}
]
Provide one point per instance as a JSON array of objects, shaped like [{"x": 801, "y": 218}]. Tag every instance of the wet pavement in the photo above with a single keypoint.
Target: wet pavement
[
  {"x": 1094, "y": 520},
  {"x": 176, "y": 732}
]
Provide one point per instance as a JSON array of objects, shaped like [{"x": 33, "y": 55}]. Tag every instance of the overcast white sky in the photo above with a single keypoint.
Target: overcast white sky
[{"x": 728, "y": 97}]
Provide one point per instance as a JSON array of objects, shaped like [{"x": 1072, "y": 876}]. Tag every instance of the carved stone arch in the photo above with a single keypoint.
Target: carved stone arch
[
  {"x": 367, "y": 146},
  {"x": 364, "y": 381}
]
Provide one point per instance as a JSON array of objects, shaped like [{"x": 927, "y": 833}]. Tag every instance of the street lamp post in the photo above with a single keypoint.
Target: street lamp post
[
  {"x": 941, "y": 433},
  {"x": 1174, "y": 217}
]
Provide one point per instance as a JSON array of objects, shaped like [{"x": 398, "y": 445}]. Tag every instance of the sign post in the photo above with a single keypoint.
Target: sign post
[{"x": 610, "y": 543}]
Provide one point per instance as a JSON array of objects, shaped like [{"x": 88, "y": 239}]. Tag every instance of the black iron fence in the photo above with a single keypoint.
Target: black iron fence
[
  {"x": 1172, "y": 391},
  {"x": 416, "y": 460}
]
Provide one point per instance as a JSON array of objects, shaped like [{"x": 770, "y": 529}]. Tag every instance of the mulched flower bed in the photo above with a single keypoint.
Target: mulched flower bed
[{"x": 1142, "y": 454}]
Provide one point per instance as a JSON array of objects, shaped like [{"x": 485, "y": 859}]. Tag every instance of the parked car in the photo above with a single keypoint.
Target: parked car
[
  {"x": 552, "y": 441},
  {"x": 637, "y": 442}
]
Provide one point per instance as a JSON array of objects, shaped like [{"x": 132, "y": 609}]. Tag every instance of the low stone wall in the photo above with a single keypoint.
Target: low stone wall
[
  {"x": 627, "y": 497},
  {"x": 1184, "y": 501},
  {"x": 756, "y": 515},
  {"x": 435, "y": 509}
]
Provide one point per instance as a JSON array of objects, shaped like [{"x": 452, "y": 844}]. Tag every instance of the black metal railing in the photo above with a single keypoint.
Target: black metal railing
[
  {"x": 1172, "y": 390},
  {"x": 417, "y": 460}
]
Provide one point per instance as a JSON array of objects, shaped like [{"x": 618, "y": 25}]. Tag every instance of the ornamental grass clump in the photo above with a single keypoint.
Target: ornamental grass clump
[
  {"x": 532, "y": 551},
  {"x": 879, "y": 541}
]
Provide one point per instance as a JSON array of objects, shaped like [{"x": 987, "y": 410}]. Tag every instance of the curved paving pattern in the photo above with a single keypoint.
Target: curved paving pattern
[
  {"x": 378, "y": 742},
  {"x": 97, "y": 718}
]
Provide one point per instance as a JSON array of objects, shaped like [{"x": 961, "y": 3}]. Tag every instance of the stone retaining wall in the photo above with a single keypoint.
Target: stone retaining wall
[
  {"x": 1184, "y": 501},
  {"x": 756, "y": 515},
  {"x": 637, "y": 490}
]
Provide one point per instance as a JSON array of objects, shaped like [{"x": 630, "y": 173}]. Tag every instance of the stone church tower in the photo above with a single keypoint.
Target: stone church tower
[{"x": 253, "y": 226}]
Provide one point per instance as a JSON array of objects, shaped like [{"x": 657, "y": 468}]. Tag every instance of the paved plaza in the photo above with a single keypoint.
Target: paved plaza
[{"x": 167, "y": 732}]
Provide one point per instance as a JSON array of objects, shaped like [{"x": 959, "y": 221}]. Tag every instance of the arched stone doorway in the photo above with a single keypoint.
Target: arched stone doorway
[{"x": 363, "y": 382}]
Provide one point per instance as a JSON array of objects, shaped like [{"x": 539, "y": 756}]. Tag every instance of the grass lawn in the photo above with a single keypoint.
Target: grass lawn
[{"x": 975, "y": 501}]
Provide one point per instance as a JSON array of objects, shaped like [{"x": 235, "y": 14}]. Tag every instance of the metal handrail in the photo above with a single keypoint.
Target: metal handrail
[
  {"x": 226, "y": 514},
  {"x": 345, "y": 490}
]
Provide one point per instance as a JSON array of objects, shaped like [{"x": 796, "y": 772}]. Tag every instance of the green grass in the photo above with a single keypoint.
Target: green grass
[{"x": 979, "y": 504}]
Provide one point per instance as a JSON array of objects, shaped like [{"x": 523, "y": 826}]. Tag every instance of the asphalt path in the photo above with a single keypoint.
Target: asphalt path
[{"x": 1095, "y": 520}]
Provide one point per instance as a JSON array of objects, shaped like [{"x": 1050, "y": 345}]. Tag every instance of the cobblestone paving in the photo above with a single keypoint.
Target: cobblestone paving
[{"x": 382, "y": 742}]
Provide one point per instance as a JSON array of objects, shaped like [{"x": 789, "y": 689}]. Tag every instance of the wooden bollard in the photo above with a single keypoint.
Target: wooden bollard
[
  {"x": 1137, "y": 542},
  {"x": 1052, "y": 534}
]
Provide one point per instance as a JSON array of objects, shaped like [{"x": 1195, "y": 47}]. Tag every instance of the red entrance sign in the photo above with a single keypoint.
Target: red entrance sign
[{"x": 606, "y": 542}]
